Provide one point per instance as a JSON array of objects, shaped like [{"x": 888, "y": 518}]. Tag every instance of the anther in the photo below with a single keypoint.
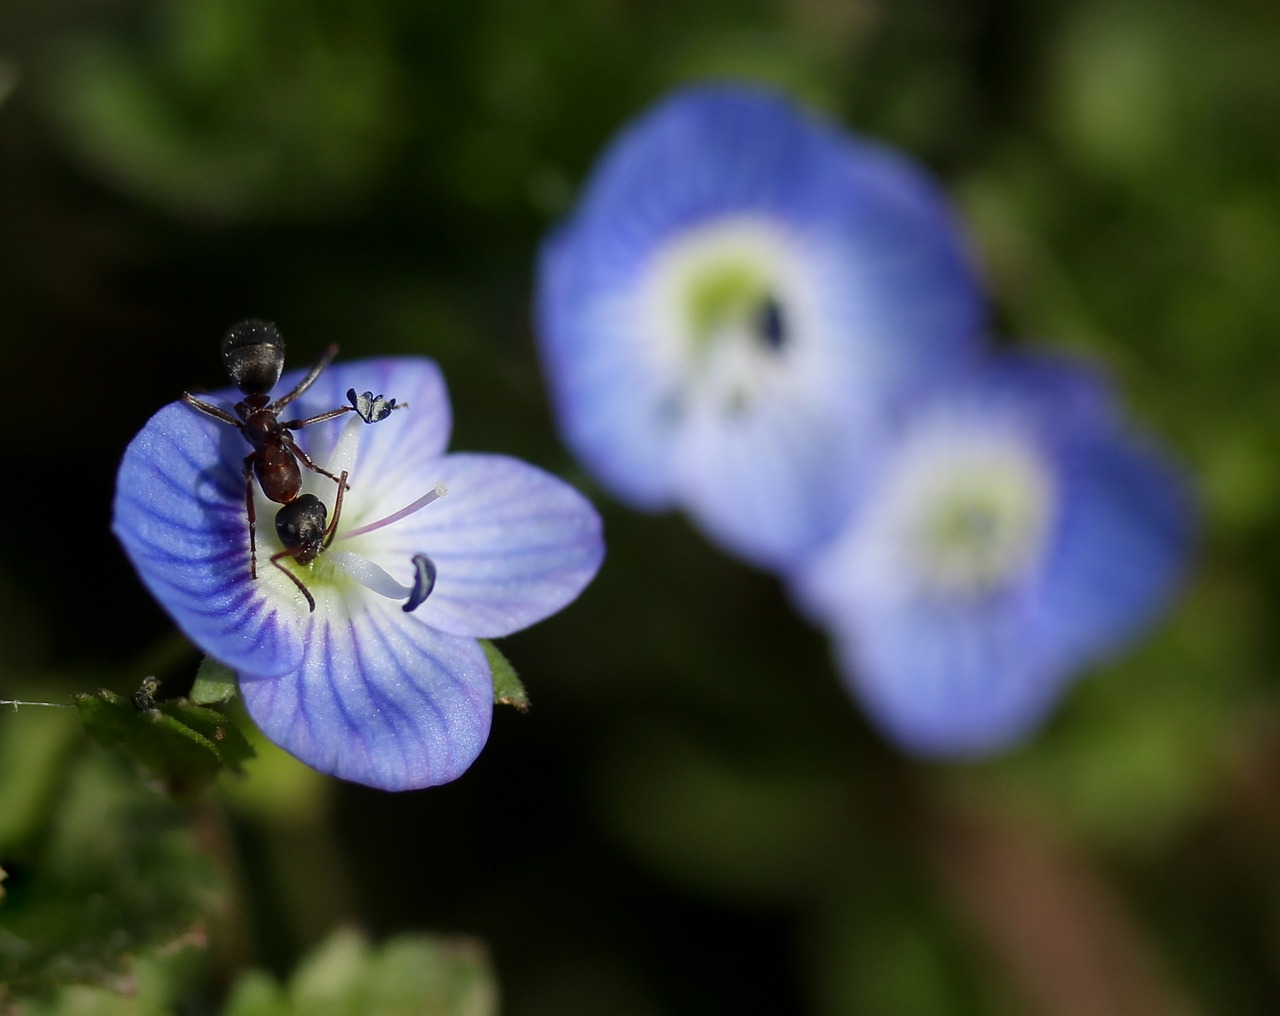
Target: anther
[
  {"x": 371, "y": 408},
  {"x": 424, "y": 580}
]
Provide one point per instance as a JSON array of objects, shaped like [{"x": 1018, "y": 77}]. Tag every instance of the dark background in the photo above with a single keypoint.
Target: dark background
[{"x": 693, "y": 818}]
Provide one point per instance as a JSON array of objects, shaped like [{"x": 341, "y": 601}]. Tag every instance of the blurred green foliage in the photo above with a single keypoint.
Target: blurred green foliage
[
  {"x": 694, "y": 818},
  {"x": 102, "y": 868},
  {"x": 345, "y": 977}
]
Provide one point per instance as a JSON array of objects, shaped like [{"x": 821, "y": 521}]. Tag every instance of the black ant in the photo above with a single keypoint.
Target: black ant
[{"x": 253, "y": 354}]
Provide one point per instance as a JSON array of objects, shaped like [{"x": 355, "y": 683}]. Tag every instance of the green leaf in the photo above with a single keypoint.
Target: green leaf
[
  {"x": 183, "y": 745},
  {"x": 424, "y": 975},
  {"x": 217, "y": 728},
  {"x": 507, "y": 689},
  {"x": 215, "y": 682}
]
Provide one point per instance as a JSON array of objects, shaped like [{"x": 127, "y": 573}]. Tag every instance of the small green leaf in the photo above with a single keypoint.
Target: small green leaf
[
  {"x": 233, "y": 747},
  {"x": 507, "y": 689},
  {"x": 183, "y": 745},
  {"x": 215, "y": 683}
]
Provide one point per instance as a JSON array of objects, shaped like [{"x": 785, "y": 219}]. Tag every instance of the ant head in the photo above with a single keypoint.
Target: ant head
[
  {"x": 300, "y": 525},
  {"x": 253, "y": 353}
]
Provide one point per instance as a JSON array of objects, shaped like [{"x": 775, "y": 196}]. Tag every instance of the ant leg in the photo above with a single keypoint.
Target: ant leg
[
  {"x": 209, "y": 409},
  {"x": 292, "y": 552},
  {"x": 306, "y": 460},
  {"x": 318, "y": 418},
  {"x": 307, "y": 381},
  {"x": 251, "y": 513},
  {"x": 332, "y": 527}
]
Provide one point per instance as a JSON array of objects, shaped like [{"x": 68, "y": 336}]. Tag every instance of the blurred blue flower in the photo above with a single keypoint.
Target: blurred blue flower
[
  {"x": 359, "y": 688},
  {"x": 1012, "y": 533},
  {"x": 739, "y": 296}
]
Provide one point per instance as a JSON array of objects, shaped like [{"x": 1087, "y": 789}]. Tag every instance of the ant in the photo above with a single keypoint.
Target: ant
[{"x": 253, "y": 354}]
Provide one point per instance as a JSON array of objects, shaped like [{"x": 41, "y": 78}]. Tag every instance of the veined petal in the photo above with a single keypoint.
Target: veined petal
[
  {"x": 406, "y": 441},
  {"x": 511, "y": 545},
  {"x": 380, "y": 699},
  {"x": 616, "y": 398},
  {"x": 180, "y": 514},
  {"x": 948, "y": 682},
  {"x": 777, "y": 461},
  {"x": 1123, "y": 544}
]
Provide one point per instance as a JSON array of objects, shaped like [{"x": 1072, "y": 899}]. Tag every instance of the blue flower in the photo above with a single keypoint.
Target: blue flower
[
  {"x": 1013, "y": 533},
  {"x": 739, "y": 296},
  {"x": 360, "y": 688}
]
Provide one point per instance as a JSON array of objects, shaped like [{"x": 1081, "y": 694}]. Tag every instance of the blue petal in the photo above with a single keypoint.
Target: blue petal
[
  {"x": 1124, "y": 541},
  {"x": 614, "y": 399},
  {"x": 511, "y": 545},
  {"x": 1049, "y": 397},
  {"x": 180, "y": 515},
  {"x": 381, "y": 699},
  {"x": 765, "y": 485},
  {"x": 909, "y": 291},
  {"x": 951, "y": 681}
]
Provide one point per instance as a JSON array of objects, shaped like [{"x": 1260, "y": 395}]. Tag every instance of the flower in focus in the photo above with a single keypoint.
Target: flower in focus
[
  {"x": 377, "y": 685},
  {"x": 1012, "y": 533},
  {"x": 740, "y": 295}
]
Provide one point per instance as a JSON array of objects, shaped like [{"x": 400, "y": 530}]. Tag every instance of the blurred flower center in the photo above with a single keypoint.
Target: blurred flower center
[
  {"x": 726, "y": 299},
  {"x": 977, "y": 520},
  {"x": 731, "y": 300}
]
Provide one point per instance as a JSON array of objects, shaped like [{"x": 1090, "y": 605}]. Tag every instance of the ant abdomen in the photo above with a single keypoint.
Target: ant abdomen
[
  {"x": 279, "y": 474},
  {"x": 253, "y": 353}
]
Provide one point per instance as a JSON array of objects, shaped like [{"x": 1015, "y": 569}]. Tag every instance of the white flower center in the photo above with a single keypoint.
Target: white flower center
[
  {"x": 969, "y": 513},
  {"x": 728, "y": 304}
]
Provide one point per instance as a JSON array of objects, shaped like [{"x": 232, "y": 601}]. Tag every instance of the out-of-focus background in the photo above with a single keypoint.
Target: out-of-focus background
[{"x": 693, "y": 818}]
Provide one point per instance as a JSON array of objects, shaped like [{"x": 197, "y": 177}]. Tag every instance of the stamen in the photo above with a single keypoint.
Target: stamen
[
  {"x": 437, "y": 492},
  {"x": 375, "y": 578},
  {"x": 423, "y": 582},
  {"x": 368, "y": 574}
]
